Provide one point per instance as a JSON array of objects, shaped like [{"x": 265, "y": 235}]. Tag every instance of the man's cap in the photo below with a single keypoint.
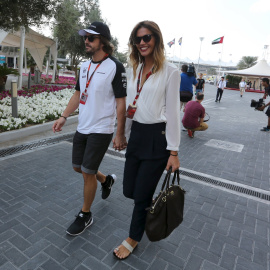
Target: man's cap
[{"x": 97, "y": 28}]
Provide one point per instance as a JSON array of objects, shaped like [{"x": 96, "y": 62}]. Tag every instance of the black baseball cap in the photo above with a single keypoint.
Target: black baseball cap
[{"x": 97, "y": 28}]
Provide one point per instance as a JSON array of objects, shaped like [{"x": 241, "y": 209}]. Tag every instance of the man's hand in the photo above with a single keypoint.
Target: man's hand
[
  {"x": 261, "y": 108},
  {"x": 58, "y": 124},
  {"x": 119, "y": 142}
]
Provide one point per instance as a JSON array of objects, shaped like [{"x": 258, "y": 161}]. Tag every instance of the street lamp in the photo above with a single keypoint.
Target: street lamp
[{"x": 201, "y": 39}]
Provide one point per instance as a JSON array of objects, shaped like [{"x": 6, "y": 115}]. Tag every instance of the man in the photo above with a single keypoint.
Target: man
[
  {"x": 242, "y": 87},
  {"x": 200, "y": 85},
  {"x": 193, "y": 119},
  {"x": 186, "y": 86},
  {"x": 265, "y": 84},
  {"x": 100, "y": 95},
  {"x": 220, "y": 88},
  {"x": 248, "y": 84}
]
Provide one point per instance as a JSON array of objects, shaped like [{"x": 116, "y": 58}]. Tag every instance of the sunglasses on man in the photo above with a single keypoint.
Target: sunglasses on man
[
  {"x": 145, "y": 38},
  {"x": 91, "y": 38}
]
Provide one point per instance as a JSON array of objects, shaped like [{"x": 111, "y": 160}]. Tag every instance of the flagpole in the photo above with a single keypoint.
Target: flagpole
[
  {"x": 198, "y": 66},
  {"x": 180, "y": 57},
  {"x": 221, "y": 58},
  {"x": 173, "y": 51}
]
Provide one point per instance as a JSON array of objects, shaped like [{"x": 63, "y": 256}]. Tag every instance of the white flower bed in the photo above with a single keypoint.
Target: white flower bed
[{"x": 33, "y": 110}]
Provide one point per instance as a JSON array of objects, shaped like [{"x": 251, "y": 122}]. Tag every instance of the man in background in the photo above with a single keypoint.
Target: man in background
[
  {"x": 200, "y": 85},
  {"x": 265, "y": 84},
  {"x": 242, "y": 87},
  {"x": 193, "y": 119},
  {"x": 220, "y": 88},
  {"x": 186, "y": 85}
]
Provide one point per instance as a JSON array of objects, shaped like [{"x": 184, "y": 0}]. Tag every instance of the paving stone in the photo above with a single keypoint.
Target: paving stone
[
  {"x": 15, "y": 257},
  {"x": 93, "y": 263},
  {"x": 56, "y": 253},
  {"x": 171, "y": 259},
  {"x": 210, "y": 266},
  {"x": 157, "y": 264},
  {"x": 34, "y": 262},
  {"x": 8, "y": 266},
  {"x": 194, "y": 262},
  {"x": 51, "y": 264},
  {"x": 19, "y": 242}
]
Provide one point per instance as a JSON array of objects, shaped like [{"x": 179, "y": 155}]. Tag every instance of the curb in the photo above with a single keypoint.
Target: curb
[{"x": 24, "y": 132}]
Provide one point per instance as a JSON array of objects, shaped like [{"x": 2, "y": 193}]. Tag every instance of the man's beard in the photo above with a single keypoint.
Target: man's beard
[{"x": 93, "y": 51}]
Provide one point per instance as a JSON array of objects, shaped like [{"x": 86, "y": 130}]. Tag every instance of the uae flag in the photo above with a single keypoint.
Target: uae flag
[
  {"x": 171, "y": 43},
  {"x": 218, "y": 40}
]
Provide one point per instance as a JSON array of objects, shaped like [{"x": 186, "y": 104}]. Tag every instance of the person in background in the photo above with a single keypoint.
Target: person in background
[
  {"x": 186, "y": 86},
  {"x": 265, "y": 84},
  {"x": 153, "y": 98},
  {"x": 200, "y": 85},
  {"x": 248, "y": 84},
  {"x": 193, "y": 119},
  {"x": 220, "y": 88},
  {"x": 242, "y": 87}
]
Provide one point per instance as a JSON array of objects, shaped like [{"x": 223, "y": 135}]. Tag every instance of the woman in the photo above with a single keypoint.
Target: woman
[{"x": 153, "y": 94}]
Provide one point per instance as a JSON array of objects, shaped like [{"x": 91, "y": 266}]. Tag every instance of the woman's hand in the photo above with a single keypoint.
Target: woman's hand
[{"x": 173, "y": 162}]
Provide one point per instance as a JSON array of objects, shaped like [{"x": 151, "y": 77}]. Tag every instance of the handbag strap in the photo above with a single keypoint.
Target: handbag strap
[
  {"x": 167, "y": 179},
  {"x": 176, "y": 175}
]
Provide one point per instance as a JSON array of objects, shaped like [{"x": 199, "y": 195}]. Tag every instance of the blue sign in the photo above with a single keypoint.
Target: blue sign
[{"x": 2, "y": 59}]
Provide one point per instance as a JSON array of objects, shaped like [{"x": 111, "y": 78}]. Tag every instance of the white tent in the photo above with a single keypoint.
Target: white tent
[
  {"x": 261, "y": 69},
  {"x": 36, "y": 44}
]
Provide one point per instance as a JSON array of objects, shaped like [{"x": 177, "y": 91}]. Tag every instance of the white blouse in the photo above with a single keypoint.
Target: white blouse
[{"x": 158, "y": 101}]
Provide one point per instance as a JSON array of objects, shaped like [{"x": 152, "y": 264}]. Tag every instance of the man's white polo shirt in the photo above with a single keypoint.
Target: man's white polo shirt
[{"x": 98, "y": 115}]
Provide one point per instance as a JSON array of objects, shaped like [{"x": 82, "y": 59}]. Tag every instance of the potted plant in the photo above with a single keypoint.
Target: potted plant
[{"x": 4, "y": 72}]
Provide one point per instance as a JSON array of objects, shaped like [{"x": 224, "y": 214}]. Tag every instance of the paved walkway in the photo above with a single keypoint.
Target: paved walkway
[{"x": 222, "y": 229}]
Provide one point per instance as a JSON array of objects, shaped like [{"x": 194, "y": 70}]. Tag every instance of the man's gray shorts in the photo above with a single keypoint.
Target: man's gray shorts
[{"x": 89, "y": 150}]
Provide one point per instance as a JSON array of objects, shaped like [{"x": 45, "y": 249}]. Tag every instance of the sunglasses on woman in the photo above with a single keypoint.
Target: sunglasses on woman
[
  {"x": 145, "y": 38},
  {"x": 90, "y": 38}
]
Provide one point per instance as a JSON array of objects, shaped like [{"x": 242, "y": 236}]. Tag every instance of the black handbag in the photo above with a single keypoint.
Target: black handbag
[{"x": 167, "y": 209}]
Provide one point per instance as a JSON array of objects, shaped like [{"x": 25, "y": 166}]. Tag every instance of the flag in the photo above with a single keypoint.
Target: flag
[
  {"x": 180, "y": 41},
  {"x": 171, "y": 43},
  {"x": 218, "y": 40},
  {"x": 266, "y": 46}
]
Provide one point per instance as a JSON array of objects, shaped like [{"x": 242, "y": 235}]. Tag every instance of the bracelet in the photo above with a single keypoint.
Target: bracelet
[
  {"x": 174, "y": 155},
  {"x": 63, "y": 117}
]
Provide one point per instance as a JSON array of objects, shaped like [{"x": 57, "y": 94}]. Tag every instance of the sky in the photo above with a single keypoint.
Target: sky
[{"x": 245, "y": 25}]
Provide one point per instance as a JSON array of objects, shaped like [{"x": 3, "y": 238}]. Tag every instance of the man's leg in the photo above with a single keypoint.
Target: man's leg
[
  {"x": 220, "y": 94},
  {"x": 217, "y": 95},
  {"x": 89, "y": 191},
  {"x": 203, "y": 126}
]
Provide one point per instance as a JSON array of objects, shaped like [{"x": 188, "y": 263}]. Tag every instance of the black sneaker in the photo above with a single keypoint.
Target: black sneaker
[
  {"x": 81, "y": 222},
  {"x": 266, "y": 129},
  {"x": 107, "y": 186}
]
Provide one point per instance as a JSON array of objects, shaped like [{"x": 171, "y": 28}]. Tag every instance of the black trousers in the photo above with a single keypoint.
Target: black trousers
[
  {"x": 146, "y": 160},
  {"x": 219, "y": 94}
]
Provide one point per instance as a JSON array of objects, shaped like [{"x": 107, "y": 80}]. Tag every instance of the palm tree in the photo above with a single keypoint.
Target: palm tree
[{"x": 247, "y": 62}]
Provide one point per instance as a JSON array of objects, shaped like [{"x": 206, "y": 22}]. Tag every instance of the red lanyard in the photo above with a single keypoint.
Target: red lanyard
[
  {"x": 88, "y": 82},
  {"x": 138, "y": 83}
]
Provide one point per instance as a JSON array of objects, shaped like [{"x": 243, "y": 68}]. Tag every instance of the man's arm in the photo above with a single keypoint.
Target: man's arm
[
  {"x": 119, "y": 142},
  {"x": 71, "y": 107}
]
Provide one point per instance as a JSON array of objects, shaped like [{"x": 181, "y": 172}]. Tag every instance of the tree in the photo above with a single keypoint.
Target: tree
[
  {"x": 247, "y": 62},
  {"x": 16, "y": 13},
  {"x": 71, "y": 16}
]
